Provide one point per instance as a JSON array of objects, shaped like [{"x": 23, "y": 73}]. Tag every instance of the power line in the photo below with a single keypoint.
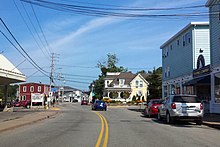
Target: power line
[
  {"x": 29, "y": 58},
  {"x": 28, "y": 16},
  {"x": 28, "y": 28},
  {"x": 38, "y": 22},
  {"x": 95, "y": 11}
]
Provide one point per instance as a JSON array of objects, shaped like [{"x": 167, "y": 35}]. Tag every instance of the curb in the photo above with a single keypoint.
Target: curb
[
  {"x": 212, "y": 125},
  {"x": 28, "y": 122}
]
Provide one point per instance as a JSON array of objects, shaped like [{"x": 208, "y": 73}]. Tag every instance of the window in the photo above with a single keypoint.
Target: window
[
  {"x": 184, "y": 43},
  {"x": 32, "y": 89},
  {"x": 24, "y": 88},
  {"x": 171, "y": 47},
  {"x": 141, "y": 83},
  {"x": 218, "y": 15},
  {"x": 121, "y": 81},
  {"x": 23, "y": 98},
  {"x": 178, "y": 42},
  {"x": 217, "y": 88},
  {"x": 136, "y": 83},
  {"x": 39, "y": 88}
]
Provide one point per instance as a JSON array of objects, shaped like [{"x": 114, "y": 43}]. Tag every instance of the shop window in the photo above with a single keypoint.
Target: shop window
[{"x": 217, "y": 88}]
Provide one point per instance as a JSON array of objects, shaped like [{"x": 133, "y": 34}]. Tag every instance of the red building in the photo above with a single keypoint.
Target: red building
[{"x": 27, "y": 90}]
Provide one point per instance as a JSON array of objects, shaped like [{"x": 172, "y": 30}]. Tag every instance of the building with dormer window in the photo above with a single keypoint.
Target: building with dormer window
[{"x": 125, "y": 85}]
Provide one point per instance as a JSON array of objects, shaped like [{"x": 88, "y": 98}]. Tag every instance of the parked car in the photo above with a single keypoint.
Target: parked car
[
  {"x": 181, "y": 107},
  {"x": 26, "y": 104},
  {"x": 152, "y": 107},
  {"x": 16, "y": 104},
  {"x": 84, "y": 102},
  {"x": 99, "y": 105},
  {"x": 74, "y": 101}
]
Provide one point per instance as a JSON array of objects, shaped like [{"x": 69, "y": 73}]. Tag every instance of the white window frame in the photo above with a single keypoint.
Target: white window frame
[
  {"x": 141, "y": 83},
  {"x": 24, "y": 89},
  {"x": 136, "y": 83},
  {"x": 121, "y": 81},
  {"x": 32, "y": 89},
  {"x": 39, "y": 88}
]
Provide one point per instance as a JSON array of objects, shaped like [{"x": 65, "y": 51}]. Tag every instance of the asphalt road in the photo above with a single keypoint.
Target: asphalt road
[{"x": 79, "y": 126}]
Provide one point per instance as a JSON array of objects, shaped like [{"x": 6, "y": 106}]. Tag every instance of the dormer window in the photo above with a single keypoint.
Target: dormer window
[{"x": 121, "y": 81}]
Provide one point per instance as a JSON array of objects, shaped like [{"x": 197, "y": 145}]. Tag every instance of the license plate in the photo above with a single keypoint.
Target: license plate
[{"x": 184, "y": 110}]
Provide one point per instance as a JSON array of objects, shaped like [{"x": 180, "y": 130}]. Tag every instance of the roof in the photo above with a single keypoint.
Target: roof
[
  {"x": 112, "y": 75},
  {"x": 128, "y": 76},
  {"x": 211, "y": 2},
  {"x": 33, "y": 83},
  {"x": 181, "y": 31},
  {"x": 9, "y": 73}
]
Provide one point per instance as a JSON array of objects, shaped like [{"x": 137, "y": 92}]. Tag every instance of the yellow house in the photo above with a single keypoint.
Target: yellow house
[
  {"x": 123, "y": 86},
  {"x": 139, "y": 87}
]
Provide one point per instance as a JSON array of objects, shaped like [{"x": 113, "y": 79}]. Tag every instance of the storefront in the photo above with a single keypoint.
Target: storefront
[{"x": 215, "y": 92}]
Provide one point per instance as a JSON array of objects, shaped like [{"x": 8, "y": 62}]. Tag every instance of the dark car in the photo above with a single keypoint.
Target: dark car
[
  {"x": 99, "y": 105},
  {"x": 84, "y": 102},
  {"x": 74, "y": 101},
  {"x": 152, "y": 107},
  {"x": 16, "y": 104}
]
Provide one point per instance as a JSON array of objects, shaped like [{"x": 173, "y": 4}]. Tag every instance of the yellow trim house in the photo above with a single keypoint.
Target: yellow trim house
[{"x": 123, "y": 86}]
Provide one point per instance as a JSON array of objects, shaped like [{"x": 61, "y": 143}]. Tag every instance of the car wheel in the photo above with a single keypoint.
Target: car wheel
[
  {"x": 28, "y": 106},
  {"x": 199, "y": 122},
  {"x": 159, "y": 116},
  {"x": 149, "y": 113},
  {"x": 168, "y": 118}
]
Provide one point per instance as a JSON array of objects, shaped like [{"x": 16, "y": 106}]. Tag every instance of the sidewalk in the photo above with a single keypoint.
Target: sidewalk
[
  {"x": 212, "y": 120},
  {"x": 21, "y": 117}
]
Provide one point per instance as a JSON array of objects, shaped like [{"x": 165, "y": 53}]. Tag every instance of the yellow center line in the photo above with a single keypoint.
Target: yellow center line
[
  {"x": 104, "y": 122},
  {"x": 106, "y": 133},
  {"x": 101, "y": 132}
]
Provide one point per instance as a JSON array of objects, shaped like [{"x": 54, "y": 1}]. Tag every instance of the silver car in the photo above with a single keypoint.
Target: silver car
[{"x": 181, "y": 107}]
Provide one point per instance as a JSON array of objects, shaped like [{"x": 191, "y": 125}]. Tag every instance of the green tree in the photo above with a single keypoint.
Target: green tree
[
  {"x": 12, "y": 91},
  {"x": 155, "y": 83},
  {"x": 106, "y": 66}
]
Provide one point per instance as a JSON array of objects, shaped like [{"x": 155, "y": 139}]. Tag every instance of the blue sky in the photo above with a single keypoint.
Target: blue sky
[{"x": 80, "y": 41}]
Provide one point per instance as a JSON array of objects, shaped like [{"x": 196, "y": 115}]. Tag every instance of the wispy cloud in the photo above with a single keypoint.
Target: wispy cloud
[{"x": 91, "y": 25}]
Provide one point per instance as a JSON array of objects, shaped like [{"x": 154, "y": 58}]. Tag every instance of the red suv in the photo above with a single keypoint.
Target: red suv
[{"x": 152, "y": 107}]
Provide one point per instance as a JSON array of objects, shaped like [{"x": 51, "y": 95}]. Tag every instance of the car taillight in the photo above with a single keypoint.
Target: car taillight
[
  {"x": 201, "y": 106},
  {"x": 173, "y": 106}
]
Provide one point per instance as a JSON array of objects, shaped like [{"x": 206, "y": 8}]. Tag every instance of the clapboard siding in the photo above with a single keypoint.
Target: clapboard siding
[
  {"x": 182, "y": 60},
  {"x": 202, "y": 39},
  {"x": 215, "y": 35}
]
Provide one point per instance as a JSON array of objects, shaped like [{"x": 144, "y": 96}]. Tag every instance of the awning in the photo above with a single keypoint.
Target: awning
[
  {"x": 200, "y": 80},
  {"x": 9, "y": 73}
]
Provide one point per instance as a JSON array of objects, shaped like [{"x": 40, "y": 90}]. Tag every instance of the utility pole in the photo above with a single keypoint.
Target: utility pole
[{"x": 51, "y": 77}]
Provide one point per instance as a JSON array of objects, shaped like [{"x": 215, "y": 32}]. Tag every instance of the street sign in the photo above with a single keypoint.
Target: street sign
[{"x": 54, "y": 89}]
